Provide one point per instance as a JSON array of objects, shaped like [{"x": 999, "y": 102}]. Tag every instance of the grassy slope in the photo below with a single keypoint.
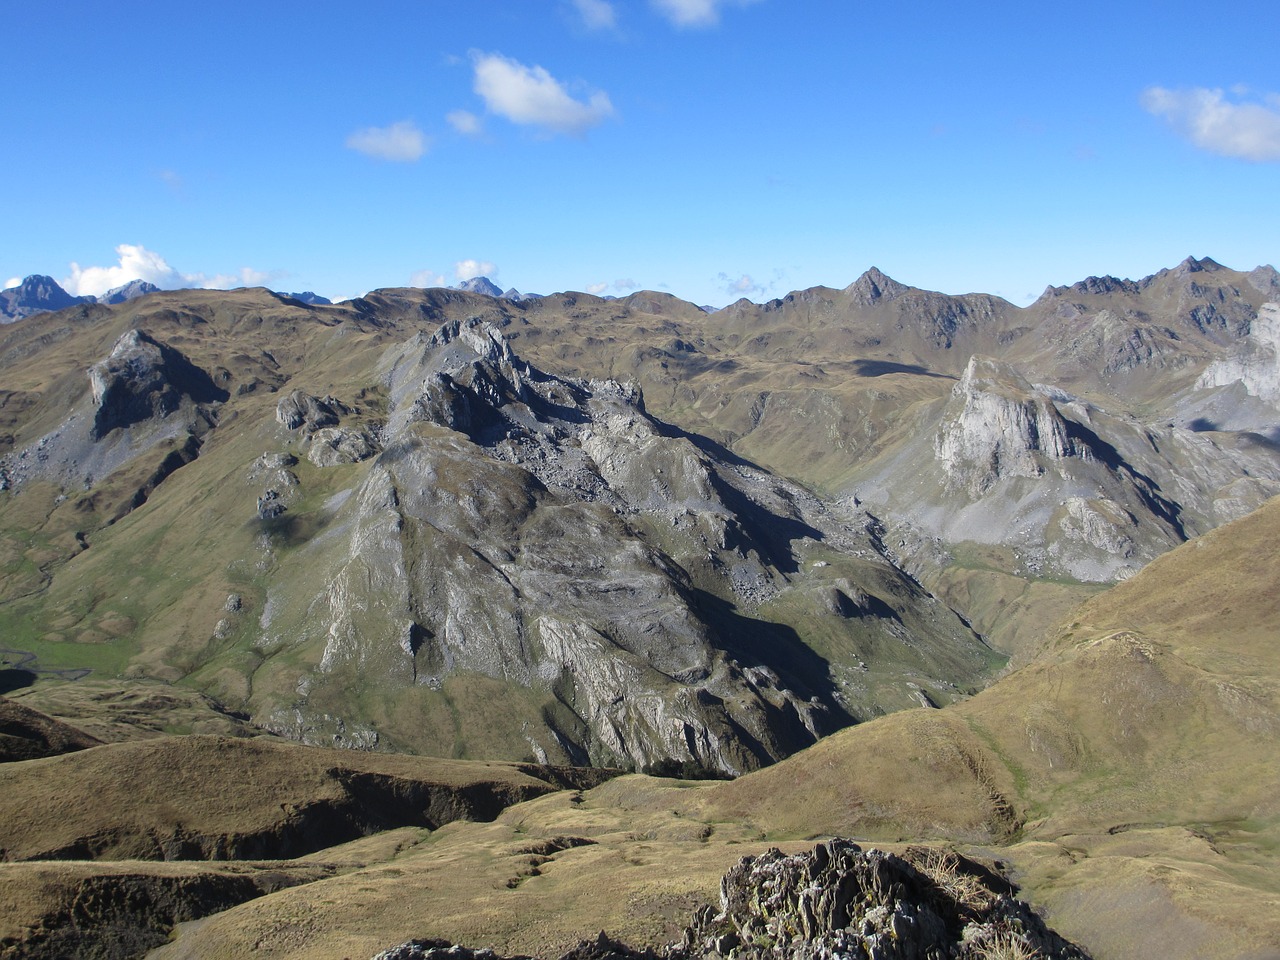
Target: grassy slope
[{"x": 1135, "y": 764}]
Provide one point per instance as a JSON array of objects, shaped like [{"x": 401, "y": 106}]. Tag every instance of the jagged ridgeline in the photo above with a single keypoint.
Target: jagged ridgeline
[
  {"x": 378, "y": 526},
  {"x": 619, "y": 532}
]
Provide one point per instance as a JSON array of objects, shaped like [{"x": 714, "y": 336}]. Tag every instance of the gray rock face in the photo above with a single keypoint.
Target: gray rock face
[
  {"x": 996, "y": 426},
  {"x": 1255, "y": 362},
  {"x": 135, "y": 382}
]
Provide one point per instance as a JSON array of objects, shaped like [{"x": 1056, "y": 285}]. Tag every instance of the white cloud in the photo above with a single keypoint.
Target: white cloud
[
  {"x": 136, "y": 262},
  {"x": 465, "y": 122},
  {"x": 595, "y": 289},
  {"x": 401, "y": 142},
  {"x": 470, "y": 269},
  {"x": 695, "y": 13},
  {"x": 1249, "y": 131},
  {"x": 627, "y": 284},
  {"x": 427, "y": 278},
  {"x": 12, "y": 282},
  {"x": 596, "y": 14},
  {"x": 532, "y": 97}
]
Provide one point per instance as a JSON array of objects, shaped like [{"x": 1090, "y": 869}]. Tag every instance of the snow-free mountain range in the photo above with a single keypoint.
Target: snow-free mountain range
[{"x": 631, "y": 533}]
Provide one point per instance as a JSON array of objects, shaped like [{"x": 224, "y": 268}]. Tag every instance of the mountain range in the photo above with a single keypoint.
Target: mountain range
[
  {"x": 41, "y": 294},
  {"x": 897, "y": 552}
]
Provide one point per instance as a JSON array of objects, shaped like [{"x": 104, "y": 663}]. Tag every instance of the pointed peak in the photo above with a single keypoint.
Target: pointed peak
[
  {"x": 480, "y": 285},
  {"x": 1203, "y": 265},
  {"x": 35, "y": 294},
  {"x": 1265, "y": 278},
  {"x": 128, "y": 291},
  {"x": 874, "y": 286}
]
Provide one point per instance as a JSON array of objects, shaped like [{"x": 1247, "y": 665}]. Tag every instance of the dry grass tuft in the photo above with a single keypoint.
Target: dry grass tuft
[
  {"x": 943, "y": 868},
  {"x": 1007, "y": 946}
]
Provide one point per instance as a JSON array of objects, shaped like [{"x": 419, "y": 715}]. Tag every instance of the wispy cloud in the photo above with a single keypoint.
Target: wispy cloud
[
  {"x": 427, "y": 278},
  {"x": 465, "y": 122},
  {"x": 401, "y": 142},
  {"x": 695, "y": 13},
  {"x": 620, "y": 286},
  {"x": 11, "y": 282},
  {"x": 171, "y": 179},
  {"x": 530, "y": 96},
  {"x": 136, "y": 262},
  {"x": 1247, "y": 130},
  {"x": 742, "y": 286},
  {"x": 596, "y": 14}
]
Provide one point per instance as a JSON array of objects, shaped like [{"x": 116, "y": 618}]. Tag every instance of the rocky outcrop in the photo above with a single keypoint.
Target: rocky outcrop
[
  {"x": 997, "y": 426},
  {"x": 837, "y": 901},
  {"x": 301, "y": 411},
  {"x": 1255, "y": 362},
  {"x": 141, "y": 380},
  {"x": 133, "y": 383},
  {"x": 317, "y": 422}
]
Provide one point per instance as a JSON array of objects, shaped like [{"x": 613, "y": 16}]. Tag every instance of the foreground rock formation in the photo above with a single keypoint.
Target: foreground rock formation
[{"x": 838, "y": 901}]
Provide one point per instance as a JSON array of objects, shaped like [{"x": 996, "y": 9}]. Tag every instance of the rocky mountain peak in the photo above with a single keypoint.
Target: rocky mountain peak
[
  {"x": 128, "y": 291},
  {"x": 480, "y": 285},
  {"x": 1266, "y": 279},
  {"x": 1192, "y": 265},
  {"x": 874, "y": 286},
  {"x": 36, "y": 294}
]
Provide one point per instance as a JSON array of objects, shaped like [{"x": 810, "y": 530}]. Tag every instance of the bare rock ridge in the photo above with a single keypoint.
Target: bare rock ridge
[{"x": 836, "y": 901}]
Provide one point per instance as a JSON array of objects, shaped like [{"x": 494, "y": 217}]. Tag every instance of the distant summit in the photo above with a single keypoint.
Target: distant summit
[
  {"x": 36, "y": 294},
  {"x": 310, "y": 298},
  {"x": 481, "y": 285},
  {"x": 488, "y": 288},
  {"x": 874, "y": 286},
  {"x": 40, "y": 294},
  {"x": 129, "y": 291}
]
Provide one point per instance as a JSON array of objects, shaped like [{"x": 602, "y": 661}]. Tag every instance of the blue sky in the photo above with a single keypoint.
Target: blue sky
[{"x": 713, "y": 148}]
